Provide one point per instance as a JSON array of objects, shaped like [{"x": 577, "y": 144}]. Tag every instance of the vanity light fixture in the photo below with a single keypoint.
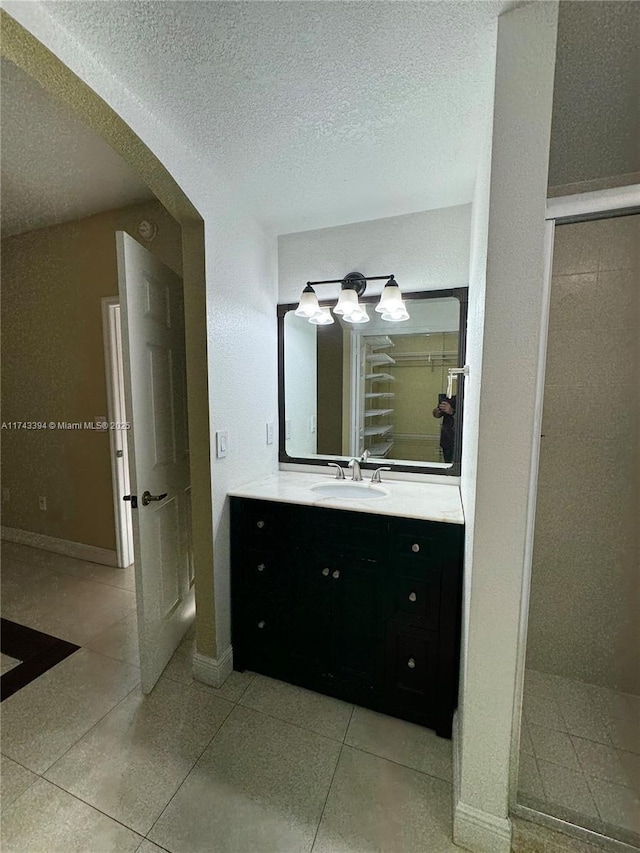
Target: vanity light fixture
[
  {"x": 308, "y": 305},
  {"x": 391, "y": 305}
]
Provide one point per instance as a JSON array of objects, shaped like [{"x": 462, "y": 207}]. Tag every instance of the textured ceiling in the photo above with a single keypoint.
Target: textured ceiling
[
  {"x": 320, "y": 113},
  {"x": 54, "y": 168}
]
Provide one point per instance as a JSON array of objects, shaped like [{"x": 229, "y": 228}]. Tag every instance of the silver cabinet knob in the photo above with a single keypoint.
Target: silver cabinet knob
[
  {"x": 325, "y": 572},
  {"x": 411, "y": 663},
  {"x": 415, "y": 547},
  {"x": 260, "y": 524},
  {"x": 261, "y": 623},
  {"x": 261, "y": 567},
  {"x": 336, "y": 574},
  {"x": 413, "y": 596}
]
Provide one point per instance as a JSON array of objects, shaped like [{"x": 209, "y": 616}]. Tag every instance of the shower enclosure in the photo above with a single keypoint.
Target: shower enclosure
[{"x": 578, "y": 763}]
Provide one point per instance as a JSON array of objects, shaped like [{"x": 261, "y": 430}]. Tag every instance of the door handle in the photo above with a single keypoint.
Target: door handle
[{"x": 147, "y": 497}]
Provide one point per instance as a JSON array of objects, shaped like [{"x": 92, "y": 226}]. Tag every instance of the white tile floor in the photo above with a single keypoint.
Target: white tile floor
[
  {"x": 580, "y": 754},
  {"x": 89, "y": 764}
]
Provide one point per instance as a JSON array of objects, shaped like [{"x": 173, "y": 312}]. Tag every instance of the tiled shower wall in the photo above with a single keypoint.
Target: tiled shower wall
[{"x": 584, "y": 620}]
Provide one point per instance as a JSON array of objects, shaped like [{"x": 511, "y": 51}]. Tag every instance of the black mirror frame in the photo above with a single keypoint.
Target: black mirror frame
[{"x": 459, "y": 293}]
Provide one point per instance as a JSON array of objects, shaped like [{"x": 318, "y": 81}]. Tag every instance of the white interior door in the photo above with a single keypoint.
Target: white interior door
[{"x": 151, "y": 303}]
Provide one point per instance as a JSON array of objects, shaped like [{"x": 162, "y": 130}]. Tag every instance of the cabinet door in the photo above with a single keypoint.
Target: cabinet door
[
  {"x": 357, "y": 629},
  {"x": 309, "y": 616}
]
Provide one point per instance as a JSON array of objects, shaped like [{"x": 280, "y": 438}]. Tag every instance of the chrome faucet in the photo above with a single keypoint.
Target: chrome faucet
[
  {"x": 357, "y": 473},
  {"x": 339, "y": 470},
  {"x": 375, "y": 477}
]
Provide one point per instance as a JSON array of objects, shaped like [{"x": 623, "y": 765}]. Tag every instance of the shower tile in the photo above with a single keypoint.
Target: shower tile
[
  {"x": 567, "y": 788},
  {"x": 612, "y": 703},
  {"x": 569, "y": 692},
  {"x": 539, "y": 685},
  {"x": 631, "y": 763},
  {"x": 526, "y": 747},
  {"x": 553, "y": 746},
  {"x": 576, "y": 250},
  {"x": 625, "y": 734},
  {"x": 586, "y": 722},
  {"x": 617, "y": 804},
  {"x": 573, "y": 302},
  {"x": 618, "y": 239},
  {"x": 617, "y": 297},
  {"x": 529, "y": 782},
  {"x": 599, "y": 761},
  {"x": 541, "y": 712}
]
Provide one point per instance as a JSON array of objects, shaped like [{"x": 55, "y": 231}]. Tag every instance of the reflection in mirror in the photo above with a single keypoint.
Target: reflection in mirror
[{"x": 379, "y": 388}]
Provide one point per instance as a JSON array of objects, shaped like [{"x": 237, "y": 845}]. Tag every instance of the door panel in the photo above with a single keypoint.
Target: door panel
[{"x": 153, "y": 352}]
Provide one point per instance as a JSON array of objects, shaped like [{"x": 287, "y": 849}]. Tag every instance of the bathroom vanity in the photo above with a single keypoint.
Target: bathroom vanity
[{"x": 357, "y": 599}]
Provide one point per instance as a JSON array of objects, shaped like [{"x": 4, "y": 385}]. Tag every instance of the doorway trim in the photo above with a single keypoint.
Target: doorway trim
[
  {"x": 618, "y": 201},
  {"x": 19, "y": 46},
  {"x": 116, "y": 414}
]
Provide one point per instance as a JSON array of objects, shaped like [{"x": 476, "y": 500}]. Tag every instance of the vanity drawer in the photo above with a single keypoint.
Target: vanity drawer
[
  {"x": 259, "y": 523},
  {"x": 265, "y": 633},
  {"x": 411, "y": 676},
  {"x": 415, "y": 546},
  {"x": 417, "y": 601},
  {"x": 261, "y": 571}
]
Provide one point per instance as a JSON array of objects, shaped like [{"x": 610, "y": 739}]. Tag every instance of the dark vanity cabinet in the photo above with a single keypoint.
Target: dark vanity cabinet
[{"x": 362, "y": 607}]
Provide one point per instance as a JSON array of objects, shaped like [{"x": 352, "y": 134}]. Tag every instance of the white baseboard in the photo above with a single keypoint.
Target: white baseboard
[
  {"x": 90, "y": 553},
  {"x": 213, "y": 671},
  {"x": 474, "y": 829},
  {"x": 480, "y": 831},
  {"x": 455, "y": 756}
]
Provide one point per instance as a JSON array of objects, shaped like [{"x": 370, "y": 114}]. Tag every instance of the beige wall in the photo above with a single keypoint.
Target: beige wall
[
  {"x": 584, "y": 618},
  {"x": 53, "y": 369},
  {"x": 596, "y": 115}
]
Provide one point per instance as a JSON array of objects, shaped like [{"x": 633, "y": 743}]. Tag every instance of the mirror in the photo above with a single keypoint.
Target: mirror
[{"x": 377, "y": 388}]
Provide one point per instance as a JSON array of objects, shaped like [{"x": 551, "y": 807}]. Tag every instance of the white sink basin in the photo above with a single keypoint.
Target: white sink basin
[{"x": 353, "y": 491}]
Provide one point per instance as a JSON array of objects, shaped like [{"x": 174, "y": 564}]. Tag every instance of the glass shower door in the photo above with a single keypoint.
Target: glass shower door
[{"x": 580, "y": 737}]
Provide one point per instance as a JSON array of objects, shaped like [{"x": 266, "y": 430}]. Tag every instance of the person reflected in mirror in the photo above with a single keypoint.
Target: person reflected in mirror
[{"x": 446, "y": 409}]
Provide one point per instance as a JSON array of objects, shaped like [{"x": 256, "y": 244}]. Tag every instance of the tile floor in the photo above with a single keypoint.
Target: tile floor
[
  {"x": 580, "y": 754},
  {"x": 90, "y": 765}
]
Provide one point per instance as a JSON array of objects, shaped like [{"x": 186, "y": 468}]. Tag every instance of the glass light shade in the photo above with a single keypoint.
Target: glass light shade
[
  {"x": 358, "y": 316},
  {"x": 396, "y": 316},
  {"x": 391, "y": 299},
  {"x": 347, "y": 304},
  {"x": 308, "y": 305},
  {"x": 322, "y": 318}
]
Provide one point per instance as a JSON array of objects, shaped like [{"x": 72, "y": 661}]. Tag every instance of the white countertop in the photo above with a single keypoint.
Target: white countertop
[{"x": 430, "y": 501}]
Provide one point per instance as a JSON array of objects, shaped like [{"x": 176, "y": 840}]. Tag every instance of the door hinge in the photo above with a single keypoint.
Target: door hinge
[{"x": 133, "y": 499}]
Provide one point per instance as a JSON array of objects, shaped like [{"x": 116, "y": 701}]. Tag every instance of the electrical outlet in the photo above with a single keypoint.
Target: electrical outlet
[
  {"x": 42, "y": 503},
  {"x": 270, "y": 432},
  {"x": 221, "y": 444},
  {"x": 287, "y": 428},
  {"x": 6, "y": 495},
  {"x": 312, "y": 424}
]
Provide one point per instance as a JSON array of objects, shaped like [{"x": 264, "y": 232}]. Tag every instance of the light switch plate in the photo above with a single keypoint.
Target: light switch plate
[
  {"x": 221, "y": 444},
  {"x": 270, "y": 432}
]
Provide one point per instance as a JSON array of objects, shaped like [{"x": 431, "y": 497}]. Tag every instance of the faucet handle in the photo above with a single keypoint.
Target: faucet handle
[
  {"x": 339, "y": 471},
  {"x": 375, "y": 477}
]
